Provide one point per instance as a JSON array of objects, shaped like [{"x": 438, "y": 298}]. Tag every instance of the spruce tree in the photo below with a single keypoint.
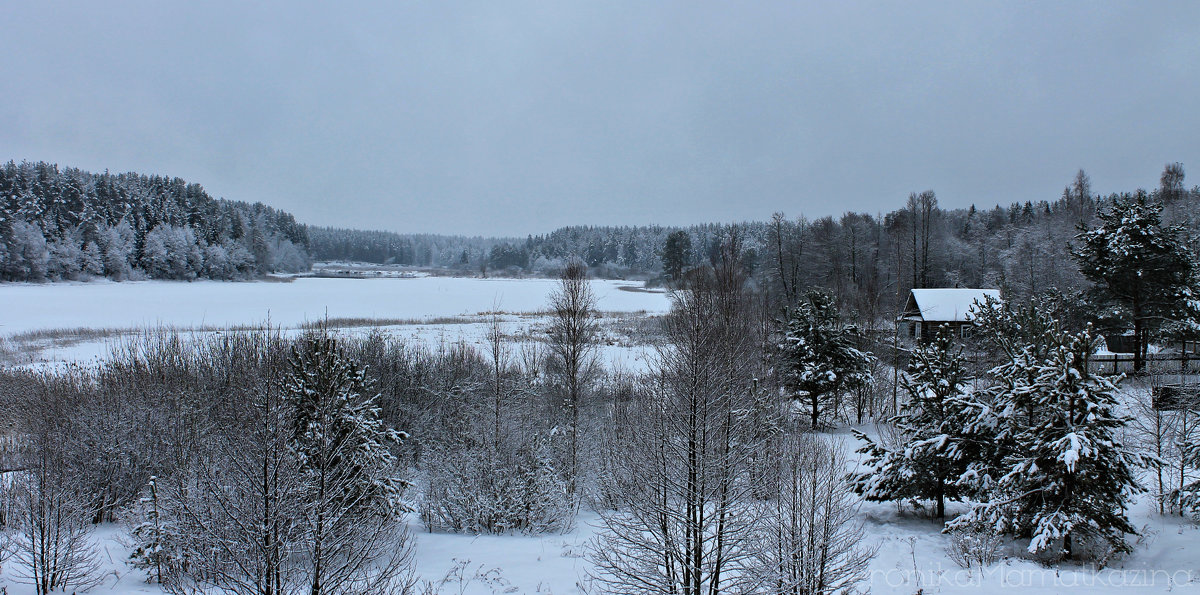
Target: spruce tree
[
  {"x": 937, "y": 448},
  {"x": 818, "y": 356},
  {"x": 343, "y": 448},
  {"x": 1063, "y": 472},
  {"x": 1140, "y": 266},
  {"x": 676, "y": 253},
  {"x": 1188, "y": 496},
  {"x": 152, "y": 536}
]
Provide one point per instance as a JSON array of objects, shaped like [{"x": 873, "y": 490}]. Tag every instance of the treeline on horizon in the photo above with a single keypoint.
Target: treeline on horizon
[
  {"x": 67, "y": 224},
  {"x": 869, "y": 262}
]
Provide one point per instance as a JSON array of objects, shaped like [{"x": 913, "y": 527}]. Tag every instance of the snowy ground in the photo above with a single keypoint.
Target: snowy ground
[{"x": 911, "y": 558}]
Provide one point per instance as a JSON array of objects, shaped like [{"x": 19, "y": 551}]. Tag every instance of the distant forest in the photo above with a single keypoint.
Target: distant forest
[
  {"x": 68, "y": 224},
  {"x": 868, "y": 261}
]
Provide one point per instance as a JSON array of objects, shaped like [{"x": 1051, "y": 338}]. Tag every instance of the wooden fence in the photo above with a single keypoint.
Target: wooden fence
[{"x": 1156, "y": 363}]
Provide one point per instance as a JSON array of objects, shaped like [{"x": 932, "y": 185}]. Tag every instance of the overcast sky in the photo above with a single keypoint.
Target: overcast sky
[{"x": 508, "y": 118}]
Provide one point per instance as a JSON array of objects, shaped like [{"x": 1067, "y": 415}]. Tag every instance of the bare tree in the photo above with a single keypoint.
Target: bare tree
[
  {"x": 54, "y": 547},
  {"x": 229, "y": 514},
  {"x": 573, "y": 337},
  {"x": 922, "y": 209},
  {"x": 687, "y": 525},
  {"x": 1154, "y": 430},
  {"x": 811, "y": 540},
  {"x": 1171, "y": 182},
  {"x": 1079, "y": 201},
  {"x": 500, "y": 355}
]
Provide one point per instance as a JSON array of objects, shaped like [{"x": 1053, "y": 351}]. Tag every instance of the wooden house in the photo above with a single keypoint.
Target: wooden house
[{"x": 929, "y": 309}]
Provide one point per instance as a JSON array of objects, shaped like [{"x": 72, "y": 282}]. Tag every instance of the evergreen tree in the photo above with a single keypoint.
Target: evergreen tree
[
  {"x": 1138, "y": 265},
  {"x": 1188, "y": 497},
  {"x": 818, "y": 356},
  {"x": 353, "y": 497},
  {"x": 1063, "y": 472},
  {"x": 937, "y": 449},
  {"x": 153, "y": 549},
  {"x": 676, "y": 254},
  {"x": 132, "y": 221}
]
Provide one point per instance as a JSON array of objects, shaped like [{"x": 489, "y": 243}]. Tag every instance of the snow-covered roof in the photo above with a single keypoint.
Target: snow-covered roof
[{"x": 944, "y": 305}]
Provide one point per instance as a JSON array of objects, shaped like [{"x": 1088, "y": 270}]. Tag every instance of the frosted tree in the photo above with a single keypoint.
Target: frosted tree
[
  {"x": 26, "y": 254},
  {"x": 812, "y": 540},
  {"x": 171, "y": 252},
  {"x": 1141, "y": 266},
  {"x": 65, "y": 259},
  {"x": 217, "y": 264},
  {"x": 937, "y": 447},
  {"x": 156, "y": 256},
  {"x": 818, "y": 357},
  {"x": 1064, "y": 474},
  {"x": 352, "y": 539},
  {"x": 117, "y": 244},
  {"x": 288, "y": 258},
  {"x": 687, "y": 524},
  {"x": 92, "y": 260},
  {"x": 572, "y": 363}
]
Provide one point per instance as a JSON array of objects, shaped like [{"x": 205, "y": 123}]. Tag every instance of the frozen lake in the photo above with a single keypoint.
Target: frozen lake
[{"x": 28, "y": 307}]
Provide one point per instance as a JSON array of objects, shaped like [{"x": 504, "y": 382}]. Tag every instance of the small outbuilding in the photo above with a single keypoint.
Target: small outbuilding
[{"x": 928, "y": 309}]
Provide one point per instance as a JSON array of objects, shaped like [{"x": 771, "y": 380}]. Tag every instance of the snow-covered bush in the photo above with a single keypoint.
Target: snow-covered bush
[
  {"x": 974, "y": 548},
  {"x": 54, "y": 549},
  {"x": 812, "y": 540},
  {"x": 481, "y": 490}
]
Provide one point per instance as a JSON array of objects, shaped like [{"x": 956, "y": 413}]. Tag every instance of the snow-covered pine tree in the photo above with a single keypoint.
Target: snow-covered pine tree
[
  {"x": 352, "y": 539},
  {"x": 152, "y": 551},
  {"x": 819, "y": 359},
  {"x": 1139, "y": 265},
  {"x": 1065, "y": 473},
  {"x": 1188, "y": 496},
  {"x": 933, "y": 423}
]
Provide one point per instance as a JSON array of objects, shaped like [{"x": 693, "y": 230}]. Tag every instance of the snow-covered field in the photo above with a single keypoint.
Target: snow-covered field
[
  {"x": 78, "y": 322},
  {"x": 36, "y": 306}
]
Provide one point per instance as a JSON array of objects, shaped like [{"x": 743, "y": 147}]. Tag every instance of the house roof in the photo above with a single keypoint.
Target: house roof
[{"x": 944, "y": 305}]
